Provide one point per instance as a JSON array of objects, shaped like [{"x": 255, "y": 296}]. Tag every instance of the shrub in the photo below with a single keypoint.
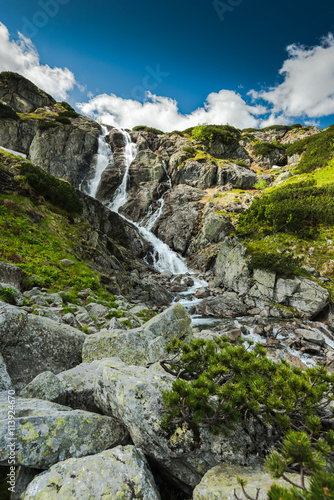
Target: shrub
[
  {"x": 219, "y": 385},
  {"x": 284, "y": 264},
  {"x": 8, "y": 295},
  {"x": 7, "y": 112},
  {"x": 63, "y": 119},
  {"x": 296, "y": 207},
  {"x": 67, "y": 106},
  {"x": 46, "y": 125},
  {"x": 265, "y": 148},
  {"x": 261, "y": 184},
  {"x": 143, "y": 128},
  {"x": 318, "y": 150},
  {"x": 189, "y": 149},
  {"x": 59, "y": 192},
  {"x": 211, "y": 133}
]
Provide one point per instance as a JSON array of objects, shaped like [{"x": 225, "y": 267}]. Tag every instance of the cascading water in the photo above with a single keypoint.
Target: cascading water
[
  {"x": 163, "y": 257},
  {"x": 104, "y": 157},
  {"x": 122, "y": 192}
]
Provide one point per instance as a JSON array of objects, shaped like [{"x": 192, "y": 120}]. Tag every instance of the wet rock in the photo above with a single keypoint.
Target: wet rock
[
  {"x": 122, "y": 472},
  {"x": 226, "y": 305},
  {"x": 310, "y": 336}
]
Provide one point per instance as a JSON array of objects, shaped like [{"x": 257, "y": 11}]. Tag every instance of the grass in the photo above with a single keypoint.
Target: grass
[{"x": 38, "y": 247}]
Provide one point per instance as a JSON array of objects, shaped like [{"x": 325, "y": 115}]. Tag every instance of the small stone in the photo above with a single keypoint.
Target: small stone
[{"x": 67, "y": 262}]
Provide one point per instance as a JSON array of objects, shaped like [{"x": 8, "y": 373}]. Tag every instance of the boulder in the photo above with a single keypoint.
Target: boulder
[
  {"x": 231, "y": 267},
  {"x": 134, "y": 395},
  {"x": 226, "y": 305},
  {"x": 33, "y": 344},
  {"x": 311, "y": 336},
  {"x": 237, "y": 176},
  {"x": 47, "y": 433},
  {"x": 140, "y": 346},
  {"x": 310, "y": 298},
  {"x": 196, "y": 174},
  {"x": 221, "y": 482},
  {"x": 264, "y": 285},
  {"x": 10, "y": 275},
  {"x": 45, "y": 386},
  {"x": 120, "y": 473}
]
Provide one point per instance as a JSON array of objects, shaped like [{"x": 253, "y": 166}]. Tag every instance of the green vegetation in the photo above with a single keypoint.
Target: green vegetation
[
  {"x": 63, "y": 119},
  {"x": 47, "y": 124},
  {"x": 7, "y": 112},
  {"x": 260, "y": 185},
  {"x": 189, "y": 149},
  {"x": 265, "y": 148},
  {"x": 284, "y": 264},
  {"x": 36, "y": 240},
  {"x": 297, "y": 207},
  {"x": 211, "y": 133},
  {"x": 8, "y": 294},
  {"x": 144, "y": 128},
  {"x": 59, "y": 192},
  {"x": 318, "y": 150},
  {"x": 219, "y": 385}
]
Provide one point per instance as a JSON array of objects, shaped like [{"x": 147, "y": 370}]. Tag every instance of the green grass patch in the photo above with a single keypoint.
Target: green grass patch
[
  {"x": 144, "y": 128},
  {"x": 211, "y": 133}
]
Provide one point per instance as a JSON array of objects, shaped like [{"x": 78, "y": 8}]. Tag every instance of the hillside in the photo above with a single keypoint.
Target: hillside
[{"x": 220, "y": 238}]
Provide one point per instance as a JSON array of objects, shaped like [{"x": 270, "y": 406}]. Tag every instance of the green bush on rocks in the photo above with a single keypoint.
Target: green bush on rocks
[{"x": 59, "y": 192}]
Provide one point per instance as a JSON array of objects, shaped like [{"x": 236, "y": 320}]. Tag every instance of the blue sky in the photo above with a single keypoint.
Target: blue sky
[{"x": 181, "y": 52}]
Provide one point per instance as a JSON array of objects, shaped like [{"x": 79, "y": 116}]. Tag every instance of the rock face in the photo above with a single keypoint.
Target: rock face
[
  {"x": 263, "y": 288},
  {"x": 48, "y": 433},
  {"x": 140, "y": 346},
  {"x": 32, "y": 344},
  {"x": 223, "y": 306},
  {"x": 10, "y": 275},
  {"x": 134, "y": 396},
  {"x": 21, "y": 94},
  {"x": 122, "y": 472},
  {"x": 5, "y": 381},
  {"x": 66, "y": 151}
]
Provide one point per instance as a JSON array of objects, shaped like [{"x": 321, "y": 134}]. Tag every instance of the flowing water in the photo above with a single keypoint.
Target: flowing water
[{"x": 104, "y": 157}]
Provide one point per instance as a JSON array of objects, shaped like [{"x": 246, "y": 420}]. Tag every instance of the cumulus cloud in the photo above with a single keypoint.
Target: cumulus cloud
[
  {"x": 308, "y": 86},
  {"x": 22, "y": 57},
  {"x": 163, "y": 113}
]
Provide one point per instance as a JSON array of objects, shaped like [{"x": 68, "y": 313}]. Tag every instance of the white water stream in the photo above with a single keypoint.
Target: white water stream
[{"x": 104, "y": 157}]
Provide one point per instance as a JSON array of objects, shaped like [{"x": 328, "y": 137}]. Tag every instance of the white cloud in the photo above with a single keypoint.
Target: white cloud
[
  {"x": 308, "y": 86},
  {"x": 22, "y": 57},
  {"x": 163, "y": 112}
]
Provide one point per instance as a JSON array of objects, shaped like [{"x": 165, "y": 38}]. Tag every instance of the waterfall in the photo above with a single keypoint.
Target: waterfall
[
  {"x": 163, "y": 257},
  {"x": 104, "y": 157},
  {"x": 122, "y": 192}
]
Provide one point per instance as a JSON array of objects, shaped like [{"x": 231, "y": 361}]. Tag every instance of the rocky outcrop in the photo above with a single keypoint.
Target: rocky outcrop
[
  {"x": 66, "y": 151},
  {"x": 47, "y": 433},
  {"x": 21, "y": 94},
  {"x": 32, "y": 344},
  {"x": 262, "y": 289},
  {"x": 224, "y": 306},
  {"x": 5, "y": 381},
  {"x": 122, "y": 472},
  {"x": 140, "y": 346}
]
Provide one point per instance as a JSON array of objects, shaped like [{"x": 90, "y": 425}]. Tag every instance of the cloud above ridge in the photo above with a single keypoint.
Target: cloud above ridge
[
  {"x": 163, "y": 113},
  {"x": 21, "y": 56}
]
